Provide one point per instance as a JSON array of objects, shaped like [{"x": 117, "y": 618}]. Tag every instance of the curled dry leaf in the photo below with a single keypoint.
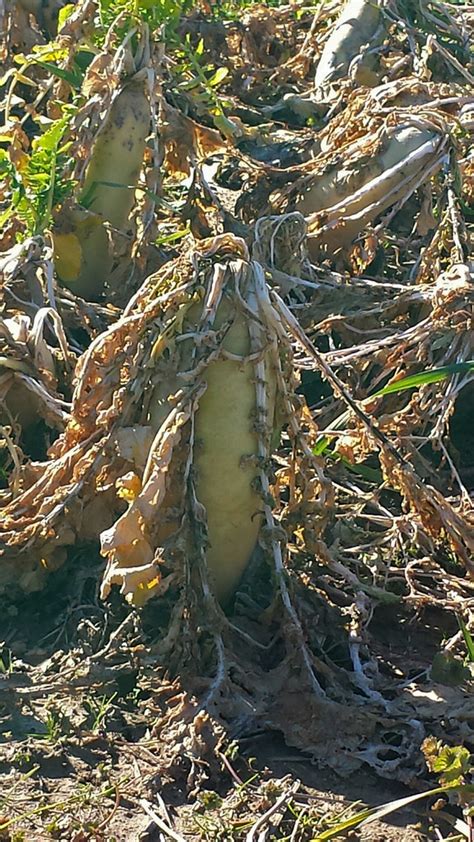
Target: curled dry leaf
[
  {"x": 186, "y": 142},
  {"x": 29, "y": 390}
]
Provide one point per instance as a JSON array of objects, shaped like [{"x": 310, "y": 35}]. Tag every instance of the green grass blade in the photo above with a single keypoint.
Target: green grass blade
[
  {"x": 436, "y": 375},
  {"x": 467, "y": 638},
  {"x": 73, "y": 79},
  {"x": 321, "y": 445},
  {"x": 414, "y": 381},
  {"x": 373, "y": 814}
]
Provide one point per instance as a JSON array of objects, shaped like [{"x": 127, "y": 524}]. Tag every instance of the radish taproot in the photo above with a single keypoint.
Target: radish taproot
[
  {"x": 340, "y": 202},
  {"x": 348, "y": 52},
  {"x": 211, "y": 437},
  {"x": 225, "y": 436},
  {"x": 108, "y": 191},
  {"x": 360, "y": 24}
]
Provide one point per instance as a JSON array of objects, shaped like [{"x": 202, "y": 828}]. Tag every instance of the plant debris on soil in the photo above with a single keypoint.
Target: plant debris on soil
[{"x": 244, "y": 227}]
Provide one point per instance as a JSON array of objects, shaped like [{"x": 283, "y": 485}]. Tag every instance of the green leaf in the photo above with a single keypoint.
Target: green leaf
[
  {"x": 414, "y": 381},
  {"x": 435, "y": 375},
  {"x": 451, "y": 763},
  {"x": 448, "y": 670},
  {"x": 218, "y": 77},
  {"x": 47, "y": 52},
  {"x": 467, "y": 638},
  {"x": 64, "y": 14},
  {"x": 5, "y": 216},
  {"x": 321, "y": 445},
  {"x": 226, "y": 126},
  {"x": 40, "y": 185},
  {"x": 73, "y": 79},
  {"x": 338, "y": 424},
  {"x": 171, "y": 238},
  {"x": 373, "y": 814},
  {"x": 49, "y": 140},
  {"x": 364, "y": 471},
  {"x": 20, "y": 77}
]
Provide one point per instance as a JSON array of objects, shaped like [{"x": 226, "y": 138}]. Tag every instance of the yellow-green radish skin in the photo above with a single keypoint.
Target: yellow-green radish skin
[
  {"x": 117, "y": 159},
  {"x": 117, "y": 156},
  {"x": 224, "y": 436}
]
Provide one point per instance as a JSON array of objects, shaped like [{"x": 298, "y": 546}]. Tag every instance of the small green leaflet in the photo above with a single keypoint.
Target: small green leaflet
[
  {"x": 49, "y": 140},
  {"x": 218, "y": 77},
  {"x": 321, "y": 446},
  {"x": 172, "y": 238},
  {"x": 64, "y": 14}
]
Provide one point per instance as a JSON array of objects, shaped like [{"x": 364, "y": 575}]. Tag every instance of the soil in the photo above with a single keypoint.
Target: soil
[
  {"x": 80, "y": 755},
  {"x": 75, "y": 773}
]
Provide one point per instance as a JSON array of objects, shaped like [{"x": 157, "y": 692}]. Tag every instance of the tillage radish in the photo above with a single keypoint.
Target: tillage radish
[
  {"x": 176, "y": 411},
  {"x": 108, "y": 192},
  {"x": 350, "y": 52},
  {"x": 360, "y": 25},
  {"x": 353, "y": 190},
  {"x": 211, "y": 413}
]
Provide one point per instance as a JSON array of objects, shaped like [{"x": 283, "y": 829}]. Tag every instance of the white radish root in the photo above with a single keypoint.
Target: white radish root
[
  {"x": 359, "y": 24},
  {"x": 109, "y": 188},
  {"x": 342, "y": 201},
  {"x": 211, "y": 433},
  {"x": 225, "y": 437}
]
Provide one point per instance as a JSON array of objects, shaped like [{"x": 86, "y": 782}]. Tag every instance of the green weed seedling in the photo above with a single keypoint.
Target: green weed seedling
[
  {"x": 6, "y": 662},
  {"x": 98, "y": 708},
  {"x": 56, "y": 725}
]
